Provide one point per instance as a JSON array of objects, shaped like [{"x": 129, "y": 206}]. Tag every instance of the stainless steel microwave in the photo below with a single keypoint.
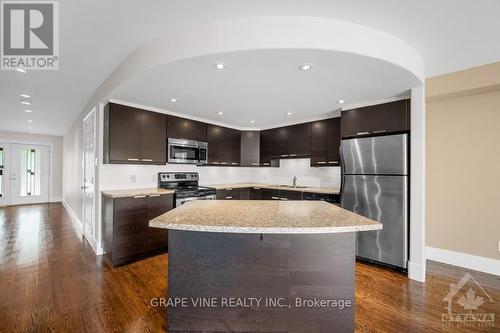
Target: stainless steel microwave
[{"x": 187, "y": 151}]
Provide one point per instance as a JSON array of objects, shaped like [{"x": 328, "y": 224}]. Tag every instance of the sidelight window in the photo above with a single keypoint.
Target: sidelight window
[{"x": 30, "y": 172}]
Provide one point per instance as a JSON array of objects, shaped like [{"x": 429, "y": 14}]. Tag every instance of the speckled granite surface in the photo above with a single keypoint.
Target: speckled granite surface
[
  {"x": 325, "y": 190},
  {"x": 256, "y": 216},
  {"x": 135, "y": 192}
]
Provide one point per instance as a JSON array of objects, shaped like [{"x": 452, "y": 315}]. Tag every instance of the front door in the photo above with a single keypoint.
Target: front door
[
  {"x": 29, "y": 174},
  {"x": 88, "y": 174}
]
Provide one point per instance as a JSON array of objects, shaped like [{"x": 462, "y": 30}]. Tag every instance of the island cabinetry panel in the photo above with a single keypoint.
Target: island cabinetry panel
[
  {"x": 250, "y": 148},
  {"x": 182, "y": 128},
  {"x": 127, "y": 234},
  {"x": 287, "y": 267},
  {"x": 133, "y": 136},
  {"x": 387, "y": 118},
  {"x": 224, "y": 146}
]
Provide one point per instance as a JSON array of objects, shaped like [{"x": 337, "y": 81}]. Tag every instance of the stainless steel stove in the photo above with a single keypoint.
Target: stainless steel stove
[{"x": 185, "y": 185}]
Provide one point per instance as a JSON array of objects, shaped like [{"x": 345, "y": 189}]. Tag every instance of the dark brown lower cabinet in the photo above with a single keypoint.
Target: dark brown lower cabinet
[
  {"x": 255, "y": 193},
  {"x": 228, "y": 194},
  {"x": 127, "y": 234},
  {"x": 269, "y": 194},
  {"x": 244, "y": 193},
  {"x": 290, "y": 195}
]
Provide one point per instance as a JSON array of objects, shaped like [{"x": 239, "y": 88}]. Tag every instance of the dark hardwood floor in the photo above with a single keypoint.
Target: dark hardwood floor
[{"x": 50, "y": 281}]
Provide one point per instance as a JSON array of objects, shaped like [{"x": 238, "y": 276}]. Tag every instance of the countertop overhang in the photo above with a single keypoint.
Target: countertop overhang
[{"x": 263, "y": 216}]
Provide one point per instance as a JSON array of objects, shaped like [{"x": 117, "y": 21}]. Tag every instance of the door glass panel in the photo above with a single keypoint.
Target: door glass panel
[
  {"x": 30, "y": 172},
  {"x": 1, "y": 172}
]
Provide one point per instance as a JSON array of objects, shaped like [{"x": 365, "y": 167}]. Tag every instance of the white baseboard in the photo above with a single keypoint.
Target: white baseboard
[
  {"x": 56, "y": 199},
  {"x": 416, "y": 271},
  {"x": 469, "y": 261},
  {"x": 96, "y": 246}
]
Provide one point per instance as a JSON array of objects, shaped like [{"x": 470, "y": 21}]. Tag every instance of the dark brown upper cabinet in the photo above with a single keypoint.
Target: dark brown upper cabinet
[
  {"x": 182, "y": 128},
  {"x": 250, "y": 148},
  {"x": 325, "y": 142},
  {"x": 291, "y": 141},
  {"x": 265, "y": 150},
  {"x": 384, "y": 118},
  {"x": 333, "y": 141},
  {"x": 134, "y": 136},
  {"x": 224, "y": 146}
]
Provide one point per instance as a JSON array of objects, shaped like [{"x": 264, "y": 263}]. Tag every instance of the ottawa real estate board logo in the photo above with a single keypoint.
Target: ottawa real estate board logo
[
  {"x": 464, "y": 301},
  {"x": 30, "y": 35}
]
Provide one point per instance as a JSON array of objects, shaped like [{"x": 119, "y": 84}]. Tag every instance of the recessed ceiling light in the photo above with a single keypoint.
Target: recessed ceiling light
[
  {"x": 173, "y": 100},
  {"x": 30, "y": 121},
  {"x": 20, "y": 70},
  {"x": 220, "y": 113},
  {"x": 25, "y": 102},
  {"x": 340, "y": 101},
  {"x": 219, "y": 65},
  {"x": 25, "y": 96},
  {"x": 305, "y": 67},
  {"x": 252, "y": 121},
  {"x": 288, "y": 113},
  {"x": 28, "y": 111}
]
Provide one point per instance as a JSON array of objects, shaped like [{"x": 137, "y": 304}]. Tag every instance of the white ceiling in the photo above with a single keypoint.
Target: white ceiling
[
  {"x": 96, "y": 35},
  {"x": 265, "y": 85}
]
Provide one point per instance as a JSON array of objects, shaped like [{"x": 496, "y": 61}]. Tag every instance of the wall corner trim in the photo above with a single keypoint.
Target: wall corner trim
[
  {"x": 416, "y": 271},
  {"x": 464, "y": 260}
]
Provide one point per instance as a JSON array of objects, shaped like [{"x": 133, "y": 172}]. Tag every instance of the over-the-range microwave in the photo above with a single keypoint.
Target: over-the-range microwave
[{"x": 187, "y": 151}]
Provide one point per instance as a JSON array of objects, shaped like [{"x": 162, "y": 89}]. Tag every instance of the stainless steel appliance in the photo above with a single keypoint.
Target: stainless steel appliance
[
  {"x": 187, "y": 151},
  {"x": 375, "y": 184},
  {"x": 185, "y": 185}
]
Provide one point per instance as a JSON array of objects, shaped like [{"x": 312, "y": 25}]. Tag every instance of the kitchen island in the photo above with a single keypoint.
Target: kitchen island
[{"x": 261, "y": 266}]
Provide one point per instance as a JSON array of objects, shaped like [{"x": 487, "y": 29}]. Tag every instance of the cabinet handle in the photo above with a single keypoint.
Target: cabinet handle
[
  {"x": 284, "y": 199},
  {"x": 322, "y": 162},
  {"x": 284, "y": 155},
  {"x": 380, "y": 131},
  {"x": 332, "y": 162},
  {"x": 362, "y": 133},
  {"x": 292, "y": 155},
  {"x": 229, "y": 197},
  {"x": 147, "y": 160},
  {"x": 139, "y": 196},
  {"x": 256, "y": 188},
  {"x": 154, "y": 195},
  {"x": 223, "y": 163},
  {"x": 228, "y": 189},
  {"x": 234, "y": 163},
  {"x": 132, "y": 159},
  {"x": 215, "y": 162},
  {"x": 255, "y": 163},
  {"x": 266, "y": 163},
  {"x": 275, "y": 198}
]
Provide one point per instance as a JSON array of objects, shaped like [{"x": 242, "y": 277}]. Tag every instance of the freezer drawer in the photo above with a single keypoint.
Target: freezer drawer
[
  {"x": 376, "y": 155},
  {"x": 384, "y": 199}
]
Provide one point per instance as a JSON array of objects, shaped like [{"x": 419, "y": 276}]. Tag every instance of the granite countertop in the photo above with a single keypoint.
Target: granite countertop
[
  {"x": 270, "y": 217},
  {"x": 136, "y": 192},
  {"x": 325, "y": 190}
]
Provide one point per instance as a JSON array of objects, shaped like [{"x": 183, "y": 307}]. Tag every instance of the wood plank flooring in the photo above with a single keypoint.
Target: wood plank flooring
[{"x": 50, "y": 281}]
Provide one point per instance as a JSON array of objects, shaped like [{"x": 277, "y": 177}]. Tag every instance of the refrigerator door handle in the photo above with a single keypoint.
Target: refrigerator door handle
[{"x": 341, "y": 173}]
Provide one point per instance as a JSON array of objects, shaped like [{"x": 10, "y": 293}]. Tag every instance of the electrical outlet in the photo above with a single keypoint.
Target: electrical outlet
[{"x": 133, "y": 178}]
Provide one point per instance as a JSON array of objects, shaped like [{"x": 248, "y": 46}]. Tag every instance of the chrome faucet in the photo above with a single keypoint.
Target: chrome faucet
[{"x": 294, "y": 181}]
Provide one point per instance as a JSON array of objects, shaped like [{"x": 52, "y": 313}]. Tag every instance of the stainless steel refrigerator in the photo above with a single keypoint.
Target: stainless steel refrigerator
[{"x": 375, "y": 184}]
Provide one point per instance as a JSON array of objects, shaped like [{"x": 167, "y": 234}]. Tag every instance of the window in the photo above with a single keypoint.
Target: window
[{"x": 30, "y": 172}]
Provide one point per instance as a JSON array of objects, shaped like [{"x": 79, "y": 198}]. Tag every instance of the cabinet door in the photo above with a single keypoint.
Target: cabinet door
[
  {"x": 269, "y": 194},
  {"x": 157, "y": 205},
  {"x": 390, "y": 117},
  {"x": 244, "y": 193},
  {"x": 299, "y": 140},
  {"x": 214, "y": 139},
  {"x": 250, "y": 148},
  {"x": 197, "y": 131},
  {"x": 279, "y": 142},
  {"x": 355, "y": 122},
  {"x": 129, "y": 227},
  {"x": 124, "y": 134},
  {"x": 319, "y": 143},
  {"x": 290, "y": 195},
  {"x": 153, "y": 138},
  {"x": 234, "y": 138},
  {"x": 177, "y": 127},
  {"x": 333, "y": 130},
  {"x": 265, "y": 148},
  {"x": 255, "y": 193}
]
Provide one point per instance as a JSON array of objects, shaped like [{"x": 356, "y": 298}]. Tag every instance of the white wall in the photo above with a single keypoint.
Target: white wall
[
  {"x": 113, "y": 176},
  {"x": 56, "y": 143}
]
